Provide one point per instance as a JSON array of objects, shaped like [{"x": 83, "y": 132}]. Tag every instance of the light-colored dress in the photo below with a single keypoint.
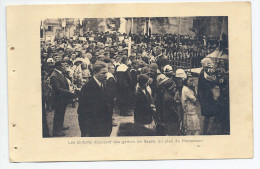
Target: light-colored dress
[{"x": 191, "y": 119}]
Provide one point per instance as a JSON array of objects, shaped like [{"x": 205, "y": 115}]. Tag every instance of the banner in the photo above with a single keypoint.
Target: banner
[{"x": 128, "y": 26}]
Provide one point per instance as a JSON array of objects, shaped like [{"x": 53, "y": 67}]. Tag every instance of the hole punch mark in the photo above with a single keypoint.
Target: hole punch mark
[
  {"x": 14, "y": 124},
  {"x": 12, "y": 48},
  {"x": 13, "y": 70},
  {"x": 16, "y": 148}
]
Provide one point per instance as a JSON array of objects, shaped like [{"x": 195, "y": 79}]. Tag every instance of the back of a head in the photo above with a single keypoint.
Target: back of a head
[
  {"x": 153, "y": 67},
  {"x": 169, "y": 84},
  {"x": 161, "y": 79},
  {"x": 98, "y": 66},
  {"x": 142, "y": 79},
  {"x": 145, "y": 70},
  {"x": 124, "y": 59},
  {"x": 58, "y": 64}
]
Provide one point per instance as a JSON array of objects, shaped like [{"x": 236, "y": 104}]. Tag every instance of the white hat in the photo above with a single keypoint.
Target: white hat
[
  {"x": 161, "y": 79},
  {"x": 89, "y": 55},
  {"x": 181, "y": 73},
  {"x": 50, "y": 60},
  {"x": 167, "y": 68},
  {"x": 78, "y": 60},
  {"x": 207, "y": 62}
]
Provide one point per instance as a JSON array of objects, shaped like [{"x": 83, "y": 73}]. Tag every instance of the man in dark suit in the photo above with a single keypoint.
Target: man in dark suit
[
  {"x": 94, "y": 116},
  {"x": 124, "y": 86},
  {"x": 62, "y": 95}
]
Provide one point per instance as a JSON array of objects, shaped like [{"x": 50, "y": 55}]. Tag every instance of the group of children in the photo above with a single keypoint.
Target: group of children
[{"x": 169, "y": 107}]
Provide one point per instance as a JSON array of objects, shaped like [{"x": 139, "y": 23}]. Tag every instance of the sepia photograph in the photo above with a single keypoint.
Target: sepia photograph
[
  {"x": 137, "y": 81},
  {"x": 135, "y": 76}
]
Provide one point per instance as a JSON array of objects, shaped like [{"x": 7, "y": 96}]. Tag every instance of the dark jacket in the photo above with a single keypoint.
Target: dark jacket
[
  {"x": 93, "y": 110},
  {"x": 124, "y": 80},
  {"x": 60, "y": 87},
  {"x": 169, "y": 108},
  {"x": 154, "y": 84},
  {"x": 111, "y": 88},
  {"x": 124, "y": 87},
  {"x": 205, "y": 96},
  {"x": 159, "y": 103},
  {"x": 143, "y": 113},
  {"x": 133, "y": 74}
]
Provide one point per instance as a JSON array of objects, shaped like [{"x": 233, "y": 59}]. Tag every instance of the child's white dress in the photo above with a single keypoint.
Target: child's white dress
[{"x": 191, "y": 119}]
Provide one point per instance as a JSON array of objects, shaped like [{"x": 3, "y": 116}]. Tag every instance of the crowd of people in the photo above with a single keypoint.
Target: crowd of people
[{"x": 102, "y": 73}]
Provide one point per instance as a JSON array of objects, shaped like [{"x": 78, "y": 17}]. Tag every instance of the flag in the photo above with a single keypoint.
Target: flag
[
  {"x": 128, "y": 27},
  {"x": 122, "y": 28},
  {"x": 80, "y": 21},
  {"x": 145, "y": 27},
  {"x": 149, "y": 28}
]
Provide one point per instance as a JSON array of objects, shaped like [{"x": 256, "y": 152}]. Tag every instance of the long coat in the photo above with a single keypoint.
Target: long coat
[
  {"x": 205, "y": 96},
  {"x": 143, "y": 113},
  {"x": 94, "y": 116},
  {"x": 124, "y": 86},
  {"x": 60, "y": 87},
  {"x": 170, "y": 114},
  {"x": 111, "y": 92},
  {"x": 62, "y": 95}
]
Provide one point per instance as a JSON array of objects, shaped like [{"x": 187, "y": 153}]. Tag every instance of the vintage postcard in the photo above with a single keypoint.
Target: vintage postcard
[{"x": 98, "y": 82}]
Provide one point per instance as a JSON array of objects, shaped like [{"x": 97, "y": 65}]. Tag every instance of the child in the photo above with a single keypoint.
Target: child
[
  {"x": 188, "y": 100},
  {"x": 179, "y": 78},
  {"x": 144, "y": 105},
  {"x": 170, "y": 115}
]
